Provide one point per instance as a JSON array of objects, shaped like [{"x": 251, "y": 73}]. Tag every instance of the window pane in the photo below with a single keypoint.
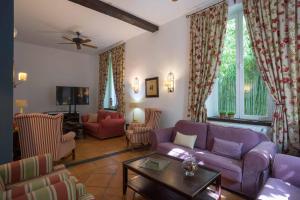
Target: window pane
[
  {"x": 227, "y": 74},
  {"x": 255, "y": 92},
  {"x": 110, "y": 100}
]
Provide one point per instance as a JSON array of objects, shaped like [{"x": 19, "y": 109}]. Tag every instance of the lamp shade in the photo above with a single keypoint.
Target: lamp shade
[
  {"x": 21, "y": 103},
  {"x": 22, "y": 76},
  {"x": 133, "y": 105}
]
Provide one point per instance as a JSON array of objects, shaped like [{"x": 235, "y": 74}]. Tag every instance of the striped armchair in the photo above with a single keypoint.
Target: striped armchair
[
  {"x": 36, "y": 178},
  {"x": 42, "y": 133},
  {"x": 137, "y": 133}
]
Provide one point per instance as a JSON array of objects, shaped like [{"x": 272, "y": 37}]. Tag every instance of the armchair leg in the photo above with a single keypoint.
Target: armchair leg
[{"x": 73, "y": 154}]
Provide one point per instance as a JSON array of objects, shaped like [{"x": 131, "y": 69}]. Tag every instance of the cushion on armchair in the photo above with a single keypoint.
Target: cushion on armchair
[
  {"x": 36, "y": 184},
  {"x": 93, "y": 118},
  {"x": 2, "y": 186},
  {"x": 58, "y": 191}
]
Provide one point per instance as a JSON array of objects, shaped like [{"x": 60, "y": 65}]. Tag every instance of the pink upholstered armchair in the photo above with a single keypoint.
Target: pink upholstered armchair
[
  {"x": 109, "y": 124},
  {"x": 140, "y": 133},
  {"x": 41, "y": 134}
]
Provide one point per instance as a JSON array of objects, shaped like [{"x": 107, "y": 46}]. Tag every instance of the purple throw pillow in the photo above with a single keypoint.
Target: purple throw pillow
[{"x": 227, "y": 148}]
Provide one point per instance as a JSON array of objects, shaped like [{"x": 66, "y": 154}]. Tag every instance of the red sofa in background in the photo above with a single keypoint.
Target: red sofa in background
[{"x": 109, "y": 124}]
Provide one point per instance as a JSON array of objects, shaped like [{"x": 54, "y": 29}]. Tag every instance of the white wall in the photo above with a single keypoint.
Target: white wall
[
  {"x": 150, "y": 55},
  {"x": 48, "y": 68}
]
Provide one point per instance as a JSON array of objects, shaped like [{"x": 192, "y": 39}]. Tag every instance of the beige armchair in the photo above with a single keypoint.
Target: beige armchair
[
  {"x": 41, "y": 134},
  {"x": 137, "y": 133}
]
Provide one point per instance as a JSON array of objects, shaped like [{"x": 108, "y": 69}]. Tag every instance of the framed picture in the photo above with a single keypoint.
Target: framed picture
[{"x": 152, "y": 89}]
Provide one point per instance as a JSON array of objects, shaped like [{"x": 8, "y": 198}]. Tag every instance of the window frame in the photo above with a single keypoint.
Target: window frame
[{"x": 236, "y": 13}]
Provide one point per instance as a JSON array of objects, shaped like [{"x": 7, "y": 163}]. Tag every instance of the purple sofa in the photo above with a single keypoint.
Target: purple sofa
[
  {"x": 245, "y": 175},
  {"x": 285, "y": 180}
]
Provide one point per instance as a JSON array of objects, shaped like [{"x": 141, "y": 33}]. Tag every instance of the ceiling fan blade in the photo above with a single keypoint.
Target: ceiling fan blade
[
  {"x": 86, "y": 41},
  {"x": 67, "y": 38},
  {"x": 91, "y": 46},
  {"x": 66, "y": 43}
]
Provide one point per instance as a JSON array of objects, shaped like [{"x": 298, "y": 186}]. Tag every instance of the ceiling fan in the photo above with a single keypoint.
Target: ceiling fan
[{"x": 78, "y": 41}]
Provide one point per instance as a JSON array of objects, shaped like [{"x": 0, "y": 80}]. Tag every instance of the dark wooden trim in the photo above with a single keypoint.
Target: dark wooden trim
[
  {"x": 115, "y": 12},
  {"x": 6, "y": 79},
  {"x": 157, "y": 87},
  {"x": 241, "y": 121},
  {"x": 110, "y": 109}
]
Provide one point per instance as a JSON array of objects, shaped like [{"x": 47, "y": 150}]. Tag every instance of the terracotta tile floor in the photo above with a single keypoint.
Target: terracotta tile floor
[
  {"x": 103, "y": 178},
  {"x": 90, "y": 147}
]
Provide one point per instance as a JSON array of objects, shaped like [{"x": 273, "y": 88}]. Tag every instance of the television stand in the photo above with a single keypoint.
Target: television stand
[{"x": 71, "y": 121}]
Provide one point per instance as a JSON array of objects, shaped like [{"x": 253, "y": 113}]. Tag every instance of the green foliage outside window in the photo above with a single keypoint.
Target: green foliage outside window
[{"x": 255, "y": 92}]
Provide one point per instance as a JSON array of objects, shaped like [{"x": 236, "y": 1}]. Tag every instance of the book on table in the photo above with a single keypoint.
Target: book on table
[{"x": 155, "y": 164}]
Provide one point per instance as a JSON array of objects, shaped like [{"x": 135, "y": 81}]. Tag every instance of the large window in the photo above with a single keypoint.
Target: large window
[
  {"x": 110, "y": 99},
  {"x": 240, "y": 88}
]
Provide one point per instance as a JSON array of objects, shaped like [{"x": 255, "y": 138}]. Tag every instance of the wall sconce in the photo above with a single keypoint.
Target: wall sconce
[
  {"x": 136, "y": 85},
  {"x": 170, "y": 82},
  {"x": 22, "y": 77}
]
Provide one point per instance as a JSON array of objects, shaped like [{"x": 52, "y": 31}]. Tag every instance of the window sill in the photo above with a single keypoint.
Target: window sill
[
  {"x": 110, "y": 109},
  {"x": 241, "y": 121}
]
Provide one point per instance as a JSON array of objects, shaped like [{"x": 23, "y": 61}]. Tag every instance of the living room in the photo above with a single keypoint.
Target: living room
[{"x": 130, "y": 70}]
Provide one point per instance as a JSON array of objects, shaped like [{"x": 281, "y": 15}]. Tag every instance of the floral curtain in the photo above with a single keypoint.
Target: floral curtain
[
  {"x": 117, "y": 56},
  {"x": 275, "y": 36},
  {"x": 207, "y": 32},
  {"x": 103, "y": 65}
]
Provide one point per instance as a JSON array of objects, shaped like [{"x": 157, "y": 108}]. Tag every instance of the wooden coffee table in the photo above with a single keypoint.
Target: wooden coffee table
[{"x": 170, "y": 183}]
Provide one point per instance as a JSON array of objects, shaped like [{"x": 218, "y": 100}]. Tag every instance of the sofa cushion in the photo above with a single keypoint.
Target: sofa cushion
[
  {"x": 277, "y": 189},
  {"x": 230, "y": 169},
  {"x": 185, "y": 140},
  {"x": 248, "y": 137},
  {"x": 192, "y": 128},
  {"x": 174, "y": 150},
  {"x": 93, "y": 118},
  {"x": 227, "y": 148}
]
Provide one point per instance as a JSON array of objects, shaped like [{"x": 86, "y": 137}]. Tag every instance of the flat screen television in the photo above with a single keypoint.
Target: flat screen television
[
  {"x": 72, "y": 95},
  {"x": 81, "y": 95}
]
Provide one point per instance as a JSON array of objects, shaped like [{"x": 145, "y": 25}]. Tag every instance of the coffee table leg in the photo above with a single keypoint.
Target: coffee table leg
[
  {"x": 125, "y": 180},
  {"x": 218, "y": 187}
]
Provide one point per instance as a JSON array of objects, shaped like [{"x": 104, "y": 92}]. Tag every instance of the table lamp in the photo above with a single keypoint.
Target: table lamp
[
  {"x": 134, "y": 105},
  {"x": 21, "y": 104}
]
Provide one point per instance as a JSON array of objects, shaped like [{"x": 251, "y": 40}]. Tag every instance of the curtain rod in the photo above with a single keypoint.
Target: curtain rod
[{"x": 234, "y": 1}]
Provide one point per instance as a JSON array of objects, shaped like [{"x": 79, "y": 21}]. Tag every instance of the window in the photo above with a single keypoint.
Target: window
[
  {"x": 239, "y": 87},
  {"x": 110, "y": 99}
]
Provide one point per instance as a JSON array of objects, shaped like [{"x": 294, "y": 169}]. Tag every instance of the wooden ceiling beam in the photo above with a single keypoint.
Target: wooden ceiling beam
[{"x": 115, "y": 12}]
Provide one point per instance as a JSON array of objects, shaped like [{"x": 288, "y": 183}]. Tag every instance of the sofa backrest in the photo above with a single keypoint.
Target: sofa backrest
[
  {"x": 102, "y": 114},
  {"x": 248, "y": 137},
  {"x": 192, "y": 128}
]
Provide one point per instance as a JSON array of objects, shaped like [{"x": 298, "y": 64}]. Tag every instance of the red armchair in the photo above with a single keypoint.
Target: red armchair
[{"x": 109, "y": 124}]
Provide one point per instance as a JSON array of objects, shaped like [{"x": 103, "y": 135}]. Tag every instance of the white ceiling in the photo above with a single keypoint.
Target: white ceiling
[{"x": 44, "y": 22}]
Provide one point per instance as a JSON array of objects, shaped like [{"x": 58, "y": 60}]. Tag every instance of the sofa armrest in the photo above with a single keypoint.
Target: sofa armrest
[
  {"x": 84, "y": 118},
  {"x": 160, "y": 136},
  {"x": 257, "y": 165},
  {"x": 287, "y": 168},
  {"x": 68, "y": 137}
]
